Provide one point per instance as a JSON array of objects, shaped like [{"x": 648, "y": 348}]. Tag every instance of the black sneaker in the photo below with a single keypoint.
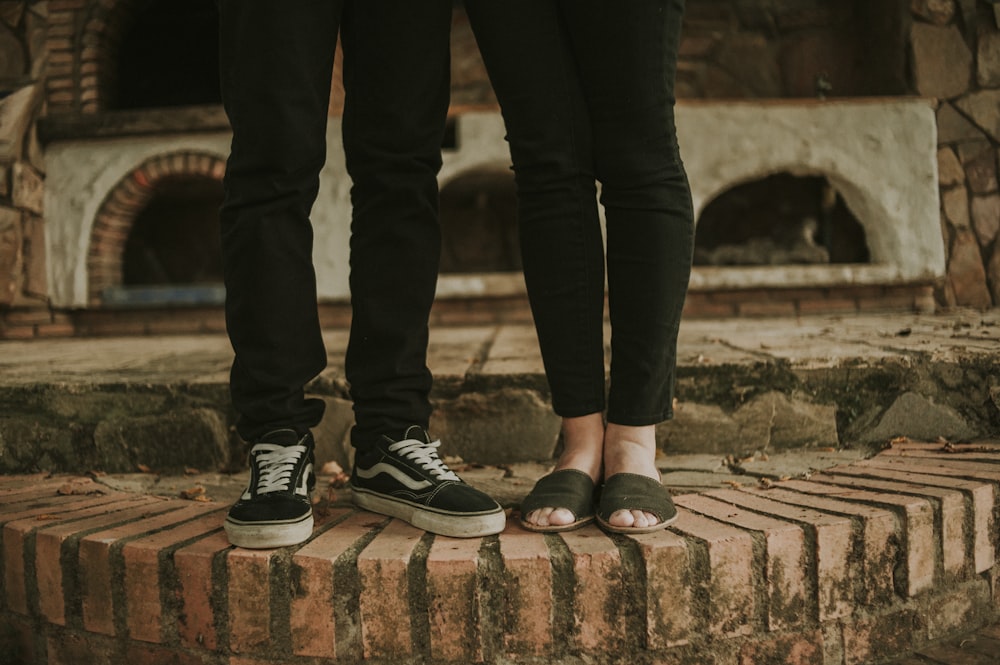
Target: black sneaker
[
  {"x": 275, "y": 510},
  {"x": 407, "y": 479}
]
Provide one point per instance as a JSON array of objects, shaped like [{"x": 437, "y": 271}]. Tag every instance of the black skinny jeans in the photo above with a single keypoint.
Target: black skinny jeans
[
  {"x": 276, "y": 69},
  {"x": 586, "y": 89}
]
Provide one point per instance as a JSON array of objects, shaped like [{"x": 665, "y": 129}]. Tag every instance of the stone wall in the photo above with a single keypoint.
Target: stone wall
[
  {"x": 956, "y": 59},
  {"x": 23, "y": 280}
]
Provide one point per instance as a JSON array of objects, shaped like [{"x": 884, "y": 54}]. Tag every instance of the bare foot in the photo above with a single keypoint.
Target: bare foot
[
  {"x": 583, "y": 441},
  {"x": 631, "y": 450}
]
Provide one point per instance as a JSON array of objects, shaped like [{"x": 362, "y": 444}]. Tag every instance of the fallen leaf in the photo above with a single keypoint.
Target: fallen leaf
[
  {"x": 47, "y": 516},
  {"x": 766, "y": 483},
  {"x": 189, "y": 471},
  {"x": 143, "y": 468},
  {"x": 732, "y": 483},
  {"x": 192, "y": 493}
]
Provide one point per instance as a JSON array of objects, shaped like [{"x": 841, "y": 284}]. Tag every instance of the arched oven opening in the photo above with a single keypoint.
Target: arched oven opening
[{"x": 779, "y": 220}]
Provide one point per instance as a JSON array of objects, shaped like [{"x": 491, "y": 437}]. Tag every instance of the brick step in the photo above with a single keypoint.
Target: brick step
[{"x": 861, "y": 563}]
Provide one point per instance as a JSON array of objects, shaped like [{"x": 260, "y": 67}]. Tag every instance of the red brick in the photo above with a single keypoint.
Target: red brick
[
  {"x": 785, "y": 558},
  {"x": 312, "y": 609},
  {"x": 249, "y": 599},
  {"x": 879, "y": 529},
  {"x": 142, "y": 566},
  {"x": 528, "y": 569},
  {"x": 145, "y": 654},
  {"x": 948, "y": 467},
  {"x": 669, "y": 604},
  {"x": 918, "y": 524},
  {"x": 66, "y": 648},
  {"x": 17, "y": 639},
  {"x": 385, "y": 596},
  {"x": 96, "y": 573},
  {"x": 873, "y": 639},
  {"x": 453, "y": 599},
  {"x": 828, "y": 305},
  {"x": 796, "y": 649},
  {"x": 834, "y": 543},
  {"x": 597, "y": 568},
  {"x": 983, "y": 498},
  {"x": 196, "y": 621},
  {"x": 732, "y": 607},
  {"x": 952, "y": 509},
  {"x": 952, "y": 613},
  {"x": 751, "y": 308},
  {"x": 38, "y": 482},
  {"x": 49, "y": 541},
  {"x": 22, "y": 523}
]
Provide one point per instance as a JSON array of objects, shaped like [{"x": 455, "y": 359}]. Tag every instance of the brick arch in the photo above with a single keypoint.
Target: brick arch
[
  {"x": 78, "y": 42},
  {"x": 116, "y": 214}
]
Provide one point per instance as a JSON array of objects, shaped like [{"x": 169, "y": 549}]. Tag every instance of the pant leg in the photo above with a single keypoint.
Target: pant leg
[
  {"x": 527, "y": 53},
  {"x": 276, "y": 62},
  {"x": 397, "y": 85},
  {"x": 627, "y": 53}
]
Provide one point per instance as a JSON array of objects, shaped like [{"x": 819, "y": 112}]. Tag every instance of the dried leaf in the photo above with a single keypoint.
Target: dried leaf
[
  {"x": 203, "y": 498},
  {"x": 189, "y": 471},
  {"x": 732, "y": 483},
  {"x": 766, "y": 483},
  {"x": 80, "y": 486},
  {"x": 47, "y": 516},
  {"x": 143, "y": 468},
  {"x": 192, "y": 493}
]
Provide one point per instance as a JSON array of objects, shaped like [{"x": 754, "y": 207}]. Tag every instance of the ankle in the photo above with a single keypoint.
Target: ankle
[
  {"x": 583, "y": 444},
  {"x": 630, "y": 449}
]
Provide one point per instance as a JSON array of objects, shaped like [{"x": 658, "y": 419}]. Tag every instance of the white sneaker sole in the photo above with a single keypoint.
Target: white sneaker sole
[
  {"x": 268, "y": 535},
  {"x": 442, "y": 524}
]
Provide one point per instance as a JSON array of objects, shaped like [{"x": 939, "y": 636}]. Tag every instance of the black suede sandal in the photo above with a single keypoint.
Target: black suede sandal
[
  {"x": 630, "y": 491},
  {"x": 570, "y": 489}
]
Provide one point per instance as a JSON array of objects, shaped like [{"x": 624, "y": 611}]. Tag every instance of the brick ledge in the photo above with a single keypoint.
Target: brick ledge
[{"x": 856, "y": 565}]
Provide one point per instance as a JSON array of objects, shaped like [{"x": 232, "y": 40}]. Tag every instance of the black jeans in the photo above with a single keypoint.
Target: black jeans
[
  {"x": 586, "y": 89},
  {"x": 276, "y": 70}
]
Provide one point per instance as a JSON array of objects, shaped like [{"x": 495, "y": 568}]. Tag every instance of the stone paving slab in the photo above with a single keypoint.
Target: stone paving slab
[{"x": 745, "y": 386}]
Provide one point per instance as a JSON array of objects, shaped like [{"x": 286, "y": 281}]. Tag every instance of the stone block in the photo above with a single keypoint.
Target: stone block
[
  {"x": 30, "y": 443},
  {"x": 774, "y": 420},
  {"x": 953, "y": 127},
  {"x": 955, "y": 203},
  {"x": 942, "y": 62},
  {"x": 966, "y": 272},
  {"x": 174, "y": 440},
  {"x": 35, "y": 277},
  {"x": 983, "y": 108},
  {"x": 876, "y": 638},
  {"x": 503, "y": 426},
  {"x": 950, "y": 171},
  {"x": 799, "y": 648},
  {"x": 993, "y": 276},
  {"x": 980, "y": 161},
  {"x": 698, "y": 428},
  {"x": 27, "y": 188},
  {"x": 11, "y": 256},
  {"x": 333, "y": 434},
  {"x": 919, "y": 418},
  {"x": 988, "y": 58},
  {"x": 986, "y": 218},
  {"x": 938, "y": 12},
  {"x": 16, "y": 115}
]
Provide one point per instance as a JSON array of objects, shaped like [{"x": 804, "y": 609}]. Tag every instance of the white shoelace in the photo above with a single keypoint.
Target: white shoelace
[
  {"x": 424, "y": 454},
  {"x": 276, "y": 465}
]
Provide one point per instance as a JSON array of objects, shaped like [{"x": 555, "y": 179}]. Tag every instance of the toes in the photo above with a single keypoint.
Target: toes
[
  {"x": 550, "y": 517},
  {"x": 636, "y": 519},
  {"x": 622, "y": 518}
]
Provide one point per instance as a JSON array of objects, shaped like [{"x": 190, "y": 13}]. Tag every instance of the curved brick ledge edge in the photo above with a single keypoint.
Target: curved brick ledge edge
[{"x": 856, "y": 565}]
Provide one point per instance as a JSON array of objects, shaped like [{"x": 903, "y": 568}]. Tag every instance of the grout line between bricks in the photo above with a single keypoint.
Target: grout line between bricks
[
  {"x": 563, "y": 596},
  {"x": 635, "y": 593},
  {"x": 492, "y": 598},
  {"x": 347, "y": 595},
  {"x": 416, "y": 579}
]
